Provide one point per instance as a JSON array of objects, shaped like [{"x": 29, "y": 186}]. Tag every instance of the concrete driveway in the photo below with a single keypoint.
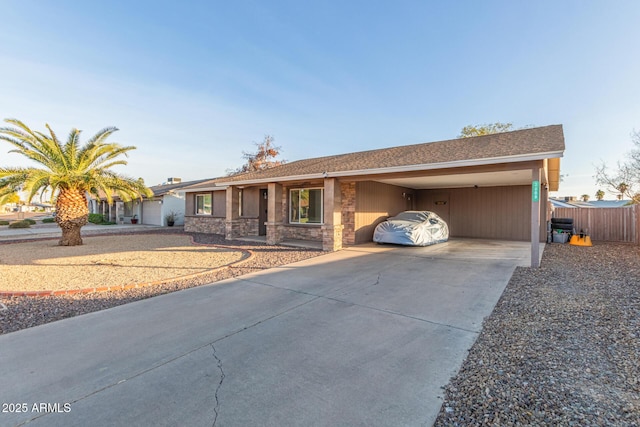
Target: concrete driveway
[{"x": 366, "y": 336}]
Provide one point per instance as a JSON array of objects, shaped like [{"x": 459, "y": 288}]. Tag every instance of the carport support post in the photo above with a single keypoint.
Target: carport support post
[
  {"x": 233, "y": 212},
  {"x": 332, "y": 223},
  {"x": 274, "y": 213},
  {"x": 535, "y": 217}
]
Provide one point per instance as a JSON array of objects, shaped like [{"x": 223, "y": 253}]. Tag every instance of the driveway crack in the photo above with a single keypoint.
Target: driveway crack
[{"x": 217, "y": 407}]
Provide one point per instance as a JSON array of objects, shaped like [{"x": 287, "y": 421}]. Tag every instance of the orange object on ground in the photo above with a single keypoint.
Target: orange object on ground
[{"x": 580, "y": 240}]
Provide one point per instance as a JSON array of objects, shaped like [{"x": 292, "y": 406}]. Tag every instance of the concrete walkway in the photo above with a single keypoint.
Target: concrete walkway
[{"x": 366, "y": 336}]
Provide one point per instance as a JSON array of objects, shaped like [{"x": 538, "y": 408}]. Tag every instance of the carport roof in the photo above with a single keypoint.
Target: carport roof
[{"x": 508, "y": 147}]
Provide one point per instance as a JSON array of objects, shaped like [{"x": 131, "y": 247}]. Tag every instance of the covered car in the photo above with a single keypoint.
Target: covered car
[{"x": 412, "y": 228}]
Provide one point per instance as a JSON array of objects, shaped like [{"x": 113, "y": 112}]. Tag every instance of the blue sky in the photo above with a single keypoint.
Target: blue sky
[{"x": 192, "y": 84}]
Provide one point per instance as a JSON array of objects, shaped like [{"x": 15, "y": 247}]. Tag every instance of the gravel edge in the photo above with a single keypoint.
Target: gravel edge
[{"x": 561, "y": 347}]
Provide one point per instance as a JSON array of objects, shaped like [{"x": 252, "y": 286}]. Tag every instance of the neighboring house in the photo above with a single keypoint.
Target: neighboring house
[
  {"x": 568, "y": 202},
  {"x": 166, "y": 198},
  {"x": 32, "y": 207},
  {"x": 481, "y": 186},
  {"x": 609, "y": 203}
]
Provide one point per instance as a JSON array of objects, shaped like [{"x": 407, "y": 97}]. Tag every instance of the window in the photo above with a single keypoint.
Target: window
[
  {"x": 305, "y": 206},
  {"x": 203, "y": 204}
]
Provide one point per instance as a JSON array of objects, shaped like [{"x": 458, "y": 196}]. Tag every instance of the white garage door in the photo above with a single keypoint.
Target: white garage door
[{"x": 151, "y": 213}]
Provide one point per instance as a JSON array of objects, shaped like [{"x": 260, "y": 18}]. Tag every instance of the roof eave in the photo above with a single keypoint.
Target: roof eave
[{"x": 197, "y": 190}]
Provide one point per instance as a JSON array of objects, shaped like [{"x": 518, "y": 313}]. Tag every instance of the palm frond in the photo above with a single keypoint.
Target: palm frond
[
  {"x": 72, "y": 166},
  {"x": 102, "y": 135}
]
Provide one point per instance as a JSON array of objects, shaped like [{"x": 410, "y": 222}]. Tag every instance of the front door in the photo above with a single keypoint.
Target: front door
[{"x": 263, "y": 214}]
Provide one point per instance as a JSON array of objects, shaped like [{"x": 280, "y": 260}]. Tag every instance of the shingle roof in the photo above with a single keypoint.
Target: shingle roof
[
  {"x": 521, "y": 143},
  {"x": 161, "y": 190}
]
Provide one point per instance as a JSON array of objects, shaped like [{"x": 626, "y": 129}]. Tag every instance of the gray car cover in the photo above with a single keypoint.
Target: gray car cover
[{"x": 413, "y": 228}]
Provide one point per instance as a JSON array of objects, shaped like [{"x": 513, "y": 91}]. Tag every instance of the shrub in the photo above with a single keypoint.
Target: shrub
[
  {"x": 96, "y": 218},
  {"x": 20, "y": 224},
  {"x": 4, "y": 222},
  {"x": 30, "y": 221},
  {"x": 48, "y": 220}
]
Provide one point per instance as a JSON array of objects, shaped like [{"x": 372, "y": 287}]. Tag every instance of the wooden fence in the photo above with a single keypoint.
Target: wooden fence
[{"x": 605, "y": 224}]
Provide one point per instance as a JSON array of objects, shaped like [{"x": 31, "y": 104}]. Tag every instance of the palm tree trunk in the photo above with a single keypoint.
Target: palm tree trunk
[{"x": 72, "y": 213}]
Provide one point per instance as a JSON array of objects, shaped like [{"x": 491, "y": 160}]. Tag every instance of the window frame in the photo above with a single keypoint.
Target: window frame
[
  {"x": 299, "y": 190},
  {"x": 204, "y": 203}
]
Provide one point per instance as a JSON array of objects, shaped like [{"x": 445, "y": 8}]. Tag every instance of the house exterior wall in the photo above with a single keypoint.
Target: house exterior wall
[
  {"x": 374, "y": 203},
  {"x": 214, "y": 223},
  {"x": 250, "y": 202},
  {"x": 488, "y": 212},
  {"x": 173, "y": 203},
  {"x": 219, "y": 201},
  {"x": 298, "y": 231}
]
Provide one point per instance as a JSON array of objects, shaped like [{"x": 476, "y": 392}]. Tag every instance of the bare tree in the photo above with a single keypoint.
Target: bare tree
[
  {"x": 625, "y": 179},
  {"x": 485, "y": 129},
  {"x": 263, "y": 158}
]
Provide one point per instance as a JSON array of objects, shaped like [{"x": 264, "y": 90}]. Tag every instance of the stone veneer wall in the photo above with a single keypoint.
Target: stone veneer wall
[
  {"x": 332, "y": 237},
  {"x": 302, "y": 232},
  {"x": 204, "y": 224},
  {"x": 348, "y": 190},
  {"x": 242, "y": 227}
]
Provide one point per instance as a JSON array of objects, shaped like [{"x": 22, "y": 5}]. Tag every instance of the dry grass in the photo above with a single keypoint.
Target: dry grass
[{"x": 106, "y": 261}]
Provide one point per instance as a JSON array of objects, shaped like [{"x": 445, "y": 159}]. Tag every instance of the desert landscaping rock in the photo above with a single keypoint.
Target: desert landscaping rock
[
  {"x": 27, "y": 311},
  {"x": 561, "y": 348},
  {"x": 107, "y": 261}
]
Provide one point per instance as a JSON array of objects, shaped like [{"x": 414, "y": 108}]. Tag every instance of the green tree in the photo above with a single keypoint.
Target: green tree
[
  {"x": 625, "y": 178},
  {"x": 585, "y": 197},
  {"x": 485, "y": 129},
  {"x": 263, "y": 158},
  {"x": 69, "y": 171},
  {"x": 10, "y": 198},
  {"x": 622, "y": 188},
  {"x": 599, "y": 194}
]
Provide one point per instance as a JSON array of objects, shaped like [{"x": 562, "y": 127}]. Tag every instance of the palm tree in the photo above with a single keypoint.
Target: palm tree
[
  {"x": 69, "y": 172},
  {"x": 622, "y": 188},
  {"x": 599, "y": 194},
  {"x": 585, "y": 197}
]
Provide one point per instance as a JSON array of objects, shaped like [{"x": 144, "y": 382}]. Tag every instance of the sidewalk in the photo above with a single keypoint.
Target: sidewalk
[{"x": 43, "y": 231}]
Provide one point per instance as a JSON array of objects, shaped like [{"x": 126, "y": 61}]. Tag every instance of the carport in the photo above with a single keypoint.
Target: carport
[{"x": 491, "y": 187}]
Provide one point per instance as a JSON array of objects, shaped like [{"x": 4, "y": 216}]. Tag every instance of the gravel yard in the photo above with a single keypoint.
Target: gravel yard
[
  {"x": 561, "y": 348},
  {"x": 104, "y": 261},
  {"x": 25, "y": 311}
]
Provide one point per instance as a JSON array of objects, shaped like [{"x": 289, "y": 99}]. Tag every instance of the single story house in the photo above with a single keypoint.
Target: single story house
[
  {"x": 167, "y": 198},
  {"x": 490, "y": 187}
]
